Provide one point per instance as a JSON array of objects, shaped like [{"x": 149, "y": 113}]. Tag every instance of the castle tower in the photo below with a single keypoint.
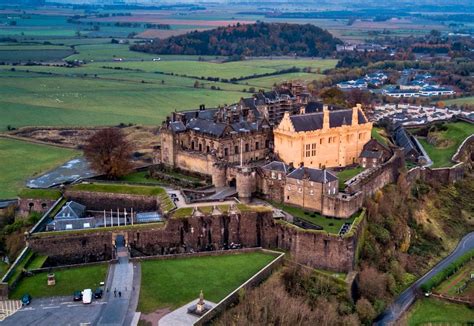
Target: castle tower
[
  {"x": 167, "y": 147},
  {"x": 246, "y": 184},
  {"x": 219, "y": 175}
]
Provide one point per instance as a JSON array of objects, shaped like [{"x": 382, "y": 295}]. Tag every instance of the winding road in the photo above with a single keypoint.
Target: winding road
[{"x": 407, "y": 297}]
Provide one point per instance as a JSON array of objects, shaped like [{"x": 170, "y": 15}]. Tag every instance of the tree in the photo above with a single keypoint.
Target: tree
[
  {"x": 365, "y": 310},
  {"x": 108, "y": 152}
]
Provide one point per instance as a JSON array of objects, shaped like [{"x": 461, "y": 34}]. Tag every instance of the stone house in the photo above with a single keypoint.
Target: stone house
[{"x": 306, "y": 187}]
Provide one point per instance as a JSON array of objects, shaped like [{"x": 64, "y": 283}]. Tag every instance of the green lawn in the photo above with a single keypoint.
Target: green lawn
[
  {"x": 67, "y": 281},
  {"x": 174, "y": 282},
  {"x": 139, "y": 177},
  {"x": 457, "y": 132},
  {"x": 426, "y": 311},
  {"x": 347, "y": 174},
  {"x": 51, "y": 194},
  {"x": 329, "y": 224},
  {"x": 119, "y": 188},
  {"x": 22, "y": 160}
]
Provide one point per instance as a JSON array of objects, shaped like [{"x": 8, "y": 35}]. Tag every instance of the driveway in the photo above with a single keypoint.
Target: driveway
[{"x": 407, "y": 297}]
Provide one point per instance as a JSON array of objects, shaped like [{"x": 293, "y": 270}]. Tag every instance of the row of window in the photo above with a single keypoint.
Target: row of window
[
  {"x": 246, "y": 148},
  {"x": 311, "y": 191}
]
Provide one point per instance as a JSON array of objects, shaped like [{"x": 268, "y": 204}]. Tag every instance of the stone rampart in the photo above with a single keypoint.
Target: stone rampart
[{"x": 104, "y": 200}]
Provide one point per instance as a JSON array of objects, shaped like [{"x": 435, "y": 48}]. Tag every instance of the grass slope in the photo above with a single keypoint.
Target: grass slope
[
  {"x": 174, "y": 282},
  {"x": 426, "y": 311},
  {"x": 67, "y": 281},
  {"x": 21, "y": 160},
  {"x": 457, "y": 132}
]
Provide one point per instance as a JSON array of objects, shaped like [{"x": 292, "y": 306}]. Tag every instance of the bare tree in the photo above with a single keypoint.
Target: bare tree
[{"x": 109, "y": 153}]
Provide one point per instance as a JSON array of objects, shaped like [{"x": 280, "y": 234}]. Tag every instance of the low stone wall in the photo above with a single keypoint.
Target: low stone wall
[
  {"x": 342, "y": 206},
  {"x": 440, "y": 175},
  {"x": 102, "y": 200}
]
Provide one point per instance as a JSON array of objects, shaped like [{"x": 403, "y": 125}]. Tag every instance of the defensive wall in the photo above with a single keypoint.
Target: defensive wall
[{"x": 201, "y": 233}]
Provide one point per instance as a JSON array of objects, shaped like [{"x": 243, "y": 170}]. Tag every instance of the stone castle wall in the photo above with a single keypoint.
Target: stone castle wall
[
  {"x": 102, "y": 200},
  {"x": 342, "y": 206},
  {"x": 199, "y": 233},
  {"x": 29, "y": 205}
]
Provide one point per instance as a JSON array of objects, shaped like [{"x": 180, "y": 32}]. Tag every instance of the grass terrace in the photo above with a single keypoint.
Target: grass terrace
[
  {"x": 20, "y": 160},
  {"x": 135, "y": 226},
  {"x": 139, "y": 177},
  {"x": 451, "y": 139},
  {"x": 174, "y": 282},
  {"x": 185, "y": 212},
  {"x": 432, "y": 311},
  {"x": 50, "y": 194},
  {"x": 67, "y": 281},
  {"x": 380, "y": 135},
  {"x": 119, "y": 189},
  {"x": 329, "y": 224},
  {"x": 348, "y": 174}
]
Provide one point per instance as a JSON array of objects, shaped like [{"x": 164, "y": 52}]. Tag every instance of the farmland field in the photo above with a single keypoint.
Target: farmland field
[
  {"x": 461, "y": 100},
  {"x": 432, "y": 311},
  {"x": 21, "y": 160}
]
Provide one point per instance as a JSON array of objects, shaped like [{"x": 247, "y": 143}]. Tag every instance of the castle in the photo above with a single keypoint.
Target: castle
[{"x": 276, "y": 143}]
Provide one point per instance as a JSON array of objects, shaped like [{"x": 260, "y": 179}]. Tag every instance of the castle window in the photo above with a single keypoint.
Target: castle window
[
  {"x": 329, "y": 140},
  {"x": 273, "y": 175},
  {"x": 207, "y": 149},
  {"x": 68, "y": 226},
  {"x": 226, "y": 151},
  {"x": 300, "y": 189},
  {"x": 257, "y": 145},
  {"x": 87, "y": 225},
  {"x": 279, "y": 176},
  {"x": 247, "y": 147},
  {"x": 311, "y": 192},
  {"x": 236, "y": 149},
  {"x": 313, "y": 149},
  {"x": 308, "y": 152},
  {"x": 267, "y": 143},
  {"x": 361, "y": 135},
  {"x": 200, "y": 147},
  {"x": 192, "y": 145},
  {"x": 321, "y": 141}
]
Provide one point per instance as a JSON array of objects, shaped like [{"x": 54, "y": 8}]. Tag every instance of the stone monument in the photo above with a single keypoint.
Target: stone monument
[{"x": 200, "y": 308}]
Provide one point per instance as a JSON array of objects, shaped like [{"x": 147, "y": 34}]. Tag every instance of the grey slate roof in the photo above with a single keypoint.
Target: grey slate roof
[
  {"x": 177, "y": 126},
  {"x": 71, "y": 210},
  {"x": 316, "y": 175},
  {"x": 276, "y": 166},
  {"x": 402, "y": 139},
  {"x": 371, "y": 154},
  {"x": 314, "y": 121},
  {"x": 207, "y": 127}
]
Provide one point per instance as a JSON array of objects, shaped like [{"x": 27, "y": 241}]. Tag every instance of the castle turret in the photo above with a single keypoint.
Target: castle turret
[
  {"x": 246, "y": 184},
  {"x": 219, "y": 175},
  {"x": 325, "y": 117},
  {"x": 355, "y": 114}
]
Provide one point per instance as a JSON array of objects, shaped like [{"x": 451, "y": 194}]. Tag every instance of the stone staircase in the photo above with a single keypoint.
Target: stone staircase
[{"x": 8, "y": 307}]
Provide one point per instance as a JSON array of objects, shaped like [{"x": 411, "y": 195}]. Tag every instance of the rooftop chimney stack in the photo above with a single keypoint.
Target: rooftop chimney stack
[
  {"x": 355, "y": 114},
  {"x": 325, "y": 117}
]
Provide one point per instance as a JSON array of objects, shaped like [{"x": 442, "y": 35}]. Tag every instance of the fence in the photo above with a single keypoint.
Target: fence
[{"x": 234, "y": 296}]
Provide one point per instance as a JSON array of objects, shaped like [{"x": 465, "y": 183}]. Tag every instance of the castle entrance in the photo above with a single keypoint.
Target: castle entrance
[{"x": 232, "y": 183}]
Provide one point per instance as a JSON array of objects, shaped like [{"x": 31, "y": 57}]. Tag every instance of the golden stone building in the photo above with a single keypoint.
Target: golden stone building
[{"x": 331, "y": 138}]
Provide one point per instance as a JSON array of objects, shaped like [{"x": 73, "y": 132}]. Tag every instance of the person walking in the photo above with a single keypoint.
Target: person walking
[{"x": 120, "y": 294}]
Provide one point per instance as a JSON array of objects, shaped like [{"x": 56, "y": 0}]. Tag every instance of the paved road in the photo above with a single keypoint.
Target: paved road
[
  {"x": 56, "y": 311},
  {"x": 117, "y": 307},
  {"x": 407, "y": 297}
]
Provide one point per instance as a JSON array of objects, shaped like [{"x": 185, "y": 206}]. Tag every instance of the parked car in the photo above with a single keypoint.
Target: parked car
[
  {"x": 87, "y": 296},
  {"x": 77, "y": 296},
  {"x": 98, "y": 293},
  {"x": 25, "y": 299}
]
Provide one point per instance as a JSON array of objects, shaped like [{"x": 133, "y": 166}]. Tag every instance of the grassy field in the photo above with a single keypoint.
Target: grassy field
[
  {"x": 433, "y": 311},
  {"x": 441, "y": 156},
  {"x": 174, "y": 282},
  {"x": 21, "y": 160},
  {"x": 380, "y": 135},
  {"x": 67, "y": 281},
  {"x": 460, "y": 101}
]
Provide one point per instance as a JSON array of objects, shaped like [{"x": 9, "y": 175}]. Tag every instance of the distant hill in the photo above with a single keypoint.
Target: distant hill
[{"x": 260, "y": 39}]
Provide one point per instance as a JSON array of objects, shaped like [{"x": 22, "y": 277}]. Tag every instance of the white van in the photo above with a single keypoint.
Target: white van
[{"x": 87, "y": 296}]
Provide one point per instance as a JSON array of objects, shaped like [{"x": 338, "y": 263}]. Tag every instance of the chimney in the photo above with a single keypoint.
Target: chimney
[
  {"x": 325, "y": 117},
  {"x": 355, "y": 114},
  {"x": 302, "y": 110}
]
